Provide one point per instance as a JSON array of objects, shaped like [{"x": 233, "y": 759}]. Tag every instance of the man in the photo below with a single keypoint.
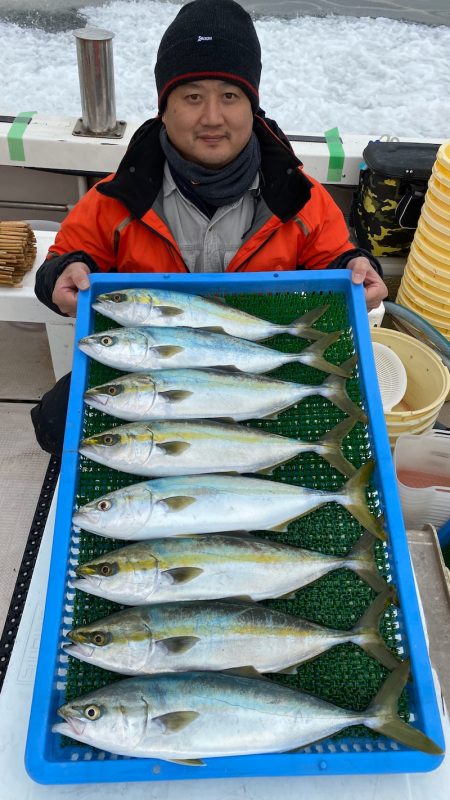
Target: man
[{"x": 209, "y": 185}]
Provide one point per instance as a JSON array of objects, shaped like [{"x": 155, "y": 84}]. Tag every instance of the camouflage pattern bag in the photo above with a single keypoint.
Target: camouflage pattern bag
[{"x": 386, "y": 207}]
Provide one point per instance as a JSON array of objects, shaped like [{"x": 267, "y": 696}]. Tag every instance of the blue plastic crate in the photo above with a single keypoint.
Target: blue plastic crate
[{"x": 47, "y": 761}]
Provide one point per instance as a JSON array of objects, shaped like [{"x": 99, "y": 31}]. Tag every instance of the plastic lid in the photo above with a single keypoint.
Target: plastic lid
[{"x": 391, "y": 375}]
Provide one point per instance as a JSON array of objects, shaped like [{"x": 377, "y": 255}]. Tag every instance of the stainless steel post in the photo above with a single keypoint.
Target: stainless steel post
[{"x": 96, "y": 75}]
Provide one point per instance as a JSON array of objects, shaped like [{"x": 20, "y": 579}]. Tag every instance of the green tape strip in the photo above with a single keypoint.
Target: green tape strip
[
  {"x": 15, "y": 135},
  {"x": 337, "y": 155}
]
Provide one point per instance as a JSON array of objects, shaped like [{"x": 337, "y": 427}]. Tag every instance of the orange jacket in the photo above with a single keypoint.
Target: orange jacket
[{"x": 116, "y": 225}]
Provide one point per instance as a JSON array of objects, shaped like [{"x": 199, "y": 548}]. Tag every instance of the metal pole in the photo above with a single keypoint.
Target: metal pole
[{"x": 96, "y": 75}]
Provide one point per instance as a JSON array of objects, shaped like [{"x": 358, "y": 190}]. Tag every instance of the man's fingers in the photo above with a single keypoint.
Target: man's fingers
[
  {"x": 359, "y": 274},
  {"x": 80, "y": 276}
]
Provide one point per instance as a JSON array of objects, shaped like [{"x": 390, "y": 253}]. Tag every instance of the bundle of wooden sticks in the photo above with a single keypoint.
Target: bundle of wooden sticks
[{"x": 17, "y": 252}]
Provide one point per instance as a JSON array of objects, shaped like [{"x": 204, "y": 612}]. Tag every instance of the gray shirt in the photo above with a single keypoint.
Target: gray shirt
[{"x": 207, "y": 245}]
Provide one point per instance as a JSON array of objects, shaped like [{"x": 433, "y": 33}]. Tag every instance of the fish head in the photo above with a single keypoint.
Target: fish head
[
  {"x": 125, "y": 348},
  {"x": 120, "y": 447},
  {"x": 126, "y": 306},
  {"x": 129, "y": 575},
  {"x": 128, "y": 397},
  {"x": 113, "y": 718},
  {"x": 120, "y": 515},
  {"x": 121, "y": 642}
]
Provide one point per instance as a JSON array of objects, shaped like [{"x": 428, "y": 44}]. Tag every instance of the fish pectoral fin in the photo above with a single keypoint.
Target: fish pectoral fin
[
  {"x": 170, "y": 311},
  {"x": 283, "y": 526},
  {"x": 189, "y": 762},
  {"x": 178, "y": 502},
  {"x": 177, "y": 645},
  {"x": 175, "y": 395},
  {"x": 182, "y": 574},
  {"x": 246, "y": 672},
  {"x": 291, "y": 670},
  {"x": 211, "y": 328},
  {"x": 167, "y": 350},
  {"x": 173, "y": 448},
  {"x": 176, "y": 720},
  {"x": 288, "y": 596}
]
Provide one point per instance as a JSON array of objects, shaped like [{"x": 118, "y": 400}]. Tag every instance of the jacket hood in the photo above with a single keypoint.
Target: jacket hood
[{"x": 137, "y": 182}]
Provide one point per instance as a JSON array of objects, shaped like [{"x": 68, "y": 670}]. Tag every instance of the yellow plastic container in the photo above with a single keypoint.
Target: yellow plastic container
[
  {"x": 435, "y": 204},
  {"x": 441, "y": 174},
  {"x": 439, "y": 296},
  {"x": 433, "y": 219},
  {"x": 439, "y": 190},
  {"x": 440, "y": 323},
  {"x": 439, "y": 254},
  {"x": 443, "y": 155},
  {"x": 431, "y": 234},
  {"x": 424, "y": 275},
  {"x": 424, "y": 259},
  {"x": 437, "y": 305},
  {"x": 428, "y": 380}
]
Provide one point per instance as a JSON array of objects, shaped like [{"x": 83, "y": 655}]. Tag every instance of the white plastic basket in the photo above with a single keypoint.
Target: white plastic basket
[{"x": 427, "y": 454}]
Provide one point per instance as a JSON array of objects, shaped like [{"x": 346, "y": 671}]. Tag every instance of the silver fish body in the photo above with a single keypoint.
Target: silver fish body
[
  {"x": 215, "y": 503},
  {"x": 215, "y": 566},
  {"x": 158, "y": 449},
  {"x": 186, "y": 717},
  {"x": 159, "y": 307},
  {"x": 209, "y": 394},
  {"x": 180, "y": 637},
  {"x": 141, "y": 349}
]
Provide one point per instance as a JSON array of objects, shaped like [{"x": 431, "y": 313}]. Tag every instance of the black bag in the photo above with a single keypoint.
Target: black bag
[{"x": 391, "y": 191}]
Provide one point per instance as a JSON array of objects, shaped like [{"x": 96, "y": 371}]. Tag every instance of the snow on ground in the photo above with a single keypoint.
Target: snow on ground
[{"x": 359, "y": 74}]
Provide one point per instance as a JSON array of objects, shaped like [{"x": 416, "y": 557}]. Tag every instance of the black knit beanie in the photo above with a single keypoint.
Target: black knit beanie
[{"x": 209, "y": 39}]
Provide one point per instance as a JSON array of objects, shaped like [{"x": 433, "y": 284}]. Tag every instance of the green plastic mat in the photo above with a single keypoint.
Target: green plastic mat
[{"x": 344, "y": 675}]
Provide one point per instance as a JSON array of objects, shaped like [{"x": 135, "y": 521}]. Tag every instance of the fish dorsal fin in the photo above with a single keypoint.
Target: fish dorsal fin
[
  {"x": 175, "y": 395},
  {"x": 176, "y": 720},
  {"x": 182, "y": 574},
  {"x": 177, "y": 645},
  {"x": 169, "y": 311},
  {"x": 167, "y": 350},
  {"x": 178, "y": 502},
  {"x": 173, "y": 448}
]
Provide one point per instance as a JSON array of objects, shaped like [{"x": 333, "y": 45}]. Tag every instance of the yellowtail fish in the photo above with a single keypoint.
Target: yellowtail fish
[
  {"x": 141, "y": 349},
  {"x": 158, "y": 307},
  {"x": 210, "y": 394},
  {"x": 216, "y": 566},
  {"x": 216, "y": 503},
  {"x": 162, "y": 449},
  {"x": 217, "y": 635},
  {"x": 186, "y": 717}
]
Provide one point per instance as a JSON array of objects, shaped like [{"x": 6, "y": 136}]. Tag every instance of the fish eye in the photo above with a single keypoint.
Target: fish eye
[
  {"x": 112, "y": 390},
  {"x": 106, "y": 570},
  {"x": 100, "y": 638},
  {"x": 109, "y": 438},
  {"x": 118, "y": 298},
  {"x": 106, "y": 341},
  {"x": 92, "y": 712},
  {"x": 104, "y": 505}
]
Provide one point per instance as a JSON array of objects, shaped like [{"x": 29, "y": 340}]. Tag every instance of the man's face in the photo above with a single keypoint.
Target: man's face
[{"x": 208, "y": 122}]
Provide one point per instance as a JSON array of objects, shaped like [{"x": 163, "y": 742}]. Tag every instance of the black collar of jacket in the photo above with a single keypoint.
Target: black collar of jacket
[{"x": 139, "y": 176}]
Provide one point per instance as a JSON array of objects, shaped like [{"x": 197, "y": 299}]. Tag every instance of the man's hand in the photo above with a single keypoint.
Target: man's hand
[
  {"x": 71, "y": 280},
  {"x": 375, "y": 289}
]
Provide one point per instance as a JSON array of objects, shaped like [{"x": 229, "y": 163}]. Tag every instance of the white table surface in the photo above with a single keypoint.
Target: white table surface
[{"x": 15, "y": 701}]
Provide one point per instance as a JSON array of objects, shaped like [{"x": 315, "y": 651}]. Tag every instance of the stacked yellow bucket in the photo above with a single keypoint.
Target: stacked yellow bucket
[{"x": 425, "y": 284}]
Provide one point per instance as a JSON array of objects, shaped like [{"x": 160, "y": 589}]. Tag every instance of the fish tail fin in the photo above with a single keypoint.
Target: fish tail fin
[
  {"x": 382, "y": 716},
  {"x": 361, "y": 560},
  {"x": 335, "y": 390},
  {"x": 302, "y": 326},
  {"x": 313, "y": 356},
  {"x": 332, "y": 446},
  {"x": 353, "y": 497},
  {"x": 367, "y": 635}
]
